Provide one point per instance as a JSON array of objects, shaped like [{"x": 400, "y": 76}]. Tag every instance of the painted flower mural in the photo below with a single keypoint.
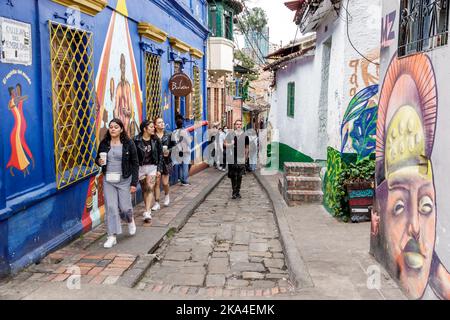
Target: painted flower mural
[{"x": 359, "y": 124}]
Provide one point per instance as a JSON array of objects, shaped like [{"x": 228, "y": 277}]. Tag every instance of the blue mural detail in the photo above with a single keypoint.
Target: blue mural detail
[
  {"x": 35, "y": 217},
  {"x": 360, "y": 123},
  {"x": 355, "y": 194}
]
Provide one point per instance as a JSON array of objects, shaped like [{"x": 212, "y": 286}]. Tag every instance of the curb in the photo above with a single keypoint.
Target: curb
[
  {"x": 132, "y": 277},
  {"x": 298, "y": 270}
]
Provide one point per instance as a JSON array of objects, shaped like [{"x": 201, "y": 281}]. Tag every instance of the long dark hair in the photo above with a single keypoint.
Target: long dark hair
[
  {"x": 123, "y": 135},
  {"x": 144, "y": 125}
]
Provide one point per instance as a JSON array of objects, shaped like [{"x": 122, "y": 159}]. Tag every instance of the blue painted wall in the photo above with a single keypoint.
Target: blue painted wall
[{"x": 35, "y": 217}]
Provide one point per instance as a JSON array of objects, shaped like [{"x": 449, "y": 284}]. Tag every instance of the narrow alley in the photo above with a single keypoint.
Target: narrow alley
[{"x": 224, "y": 249}]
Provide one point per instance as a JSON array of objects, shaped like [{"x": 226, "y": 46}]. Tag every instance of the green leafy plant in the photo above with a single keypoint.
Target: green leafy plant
[{"x": 339, "y": 175}]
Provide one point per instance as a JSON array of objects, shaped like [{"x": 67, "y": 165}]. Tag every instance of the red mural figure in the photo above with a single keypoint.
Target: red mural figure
[
  {"x": 404, "y": 218},
  {"x": 19, "y": 147}
]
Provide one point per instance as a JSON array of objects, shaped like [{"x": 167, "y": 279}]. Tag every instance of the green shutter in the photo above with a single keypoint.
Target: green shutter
[{"x": 291, "y": 99}]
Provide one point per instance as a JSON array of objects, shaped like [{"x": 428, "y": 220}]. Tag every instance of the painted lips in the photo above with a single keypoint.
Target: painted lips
[{"x": 413, "y": 258}]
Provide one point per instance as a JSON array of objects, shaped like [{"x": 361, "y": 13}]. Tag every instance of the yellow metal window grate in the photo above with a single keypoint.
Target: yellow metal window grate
[
  {"x": 197, "y": 95},
  {"x": 74, "y": 113},
  {"x": 153, "y": 85}
]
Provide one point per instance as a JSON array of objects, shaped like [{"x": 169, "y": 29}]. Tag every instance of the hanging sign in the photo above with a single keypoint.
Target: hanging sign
[
  {"x": 180, "y": 85},
  {"x": 15, "y": 42}
]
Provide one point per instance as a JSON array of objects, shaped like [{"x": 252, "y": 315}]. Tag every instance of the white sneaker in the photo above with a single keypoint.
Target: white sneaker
[
  {"x": 132, "y": 228},
  {"x": 167, "y": 200},
  {"x": 156, "y": 207},
  {"x": 110, "y": 242},
  {"x": 147, "y": 216}
]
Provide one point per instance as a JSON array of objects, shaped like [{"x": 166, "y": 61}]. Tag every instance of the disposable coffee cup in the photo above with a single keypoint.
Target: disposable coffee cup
[
  {"x": 165, "y": 149},
  {"x": 103, "y": 156}
]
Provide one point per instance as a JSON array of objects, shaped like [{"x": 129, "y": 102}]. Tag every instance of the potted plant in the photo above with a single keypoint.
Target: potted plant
[{"x": 359, "y": 183}]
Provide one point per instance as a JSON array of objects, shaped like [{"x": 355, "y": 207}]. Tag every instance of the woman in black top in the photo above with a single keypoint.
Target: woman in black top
[
  {"x": 119, "y": 161},
  {"x": 165, "y": 139},
  {"x": 149, "y": 152}
]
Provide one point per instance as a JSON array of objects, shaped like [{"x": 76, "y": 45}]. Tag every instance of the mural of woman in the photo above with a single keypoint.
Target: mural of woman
[
  {"x": 19, "y": 146},
  {"x": 404, "y": 221}
]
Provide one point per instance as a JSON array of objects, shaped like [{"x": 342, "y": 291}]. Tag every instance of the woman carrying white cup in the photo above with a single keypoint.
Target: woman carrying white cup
[{"x": 118, "y": 158}]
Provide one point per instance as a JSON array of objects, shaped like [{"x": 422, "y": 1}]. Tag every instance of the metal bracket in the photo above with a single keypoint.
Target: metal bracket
[
  {"x": 72, "y": 18},
  {"x": 148, "y": 47}
]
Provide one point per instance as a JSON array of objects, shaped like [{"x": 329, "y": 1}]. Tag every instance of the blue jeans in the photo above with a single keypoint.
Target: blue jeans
[{"x": 182, "y": 171}]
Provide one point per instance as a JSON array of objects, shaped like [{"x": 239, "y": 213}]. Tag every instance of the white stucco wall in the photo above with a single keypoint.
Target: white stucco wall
[
  {"x": 296, "y": 132},
  {"x": 303, "y": 131}
]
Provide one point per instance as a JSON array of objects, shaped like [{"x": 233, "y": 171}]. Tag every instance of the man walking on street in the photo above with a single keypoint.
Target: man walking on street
[{"x": 237, "y": 144}]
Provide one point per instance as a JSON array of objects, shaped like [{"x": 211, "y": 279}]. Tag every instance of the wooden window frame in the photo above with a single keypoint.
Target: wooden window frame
[{"x": 291, "y": 100}]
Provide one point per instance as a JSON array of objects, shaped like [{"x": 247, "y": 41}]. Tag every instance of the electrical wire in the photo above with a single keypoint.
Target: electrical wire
[
  {"x": 351, "y": 43},
  {"x": 248, "y": 13},
  {"x": 251, "y": 44},
  {"x": 295, "y": 39}
]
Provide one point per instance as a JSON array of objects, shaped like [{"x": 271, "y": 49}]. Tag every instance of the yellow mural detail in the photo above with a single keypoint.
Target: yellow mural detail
[
  {"x": 405, "y": 143},
  {"x": 122, "y": 7}
]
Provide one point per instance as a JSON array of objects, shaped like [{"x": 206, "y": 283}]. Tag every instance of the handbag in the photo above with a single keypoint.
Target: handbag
[{"x": 113, "y": 177}]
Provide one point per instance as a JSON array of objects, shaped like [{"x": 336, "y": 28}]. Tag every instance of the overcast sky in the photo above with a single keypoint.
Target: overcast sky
[{"x": 281, "y": 24}]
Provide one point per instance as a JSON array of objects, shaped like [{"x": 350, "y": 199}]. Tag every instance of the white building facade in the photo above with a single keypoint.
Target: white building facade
[{"x": 327, "y": 79}]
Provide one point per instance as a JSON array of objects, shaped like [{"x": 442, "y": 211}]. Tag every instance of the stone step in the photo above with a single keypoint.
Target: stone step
[
  {"x": 303, "y": 183},
  {"x": 304, "y": 169},
  {"x": 296, "y": 197}
]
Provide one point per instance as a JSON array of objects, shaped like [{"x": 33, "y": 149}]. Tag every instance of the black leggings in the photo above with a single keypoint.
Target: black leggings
[
  {"x": 236, "y": 182},
  {"x": 235, "y": 173}
]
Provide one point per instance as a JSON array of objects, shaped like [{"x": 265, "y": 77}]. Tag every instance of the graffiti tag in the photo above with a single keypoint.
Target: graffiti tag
[{"x": 387, "y": 29}]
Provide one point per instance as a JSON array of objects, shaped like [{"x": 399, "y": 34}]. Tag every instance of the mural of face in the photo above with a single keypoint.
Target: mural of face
[
  {"x": 410, "y": 216},
  {"x": 406, "y": 199}
]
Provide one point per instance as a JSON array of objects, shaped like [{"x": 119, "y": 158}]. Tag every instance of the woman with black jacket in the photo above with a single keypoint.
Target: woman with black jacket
[
  {"x": 118, "y": 158},
  {"x": 165, "y": 139},
  {"x": 150, "y": 157}
]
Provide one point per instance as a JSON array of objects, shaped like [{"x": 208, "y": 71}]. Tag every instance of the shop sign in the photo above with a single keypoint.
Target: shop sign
[
  {"x": 15, "y": 42},
  {"x": 180, "y": 85}
]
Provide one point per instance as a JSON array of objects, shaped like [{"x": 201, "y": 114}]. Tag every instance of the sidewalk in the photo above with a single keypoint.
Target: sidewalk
[
  {"x": 329, "y": 259},
  {"x": 126, "y": 262}
]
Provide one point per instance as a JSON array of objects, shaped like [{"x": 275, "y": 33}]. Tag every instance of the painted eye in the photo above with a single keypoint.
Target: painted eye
[
  {"x": 426, "y": 205},
  {"x": 399, "y": 207}
]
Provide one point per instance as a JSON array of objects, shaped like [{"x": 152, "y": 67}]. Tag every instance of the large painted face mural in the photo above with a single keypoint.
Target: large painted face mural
[{"x": 404, "y": 221}]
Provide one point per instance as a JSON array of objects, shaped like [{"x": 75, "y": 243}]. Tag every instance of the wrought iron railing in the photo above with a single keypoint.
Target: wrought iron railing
[
  {"x": 423, "y": 25},
  {"x": 74, "y": 112},
  {"x": 153, "y": 85},
  {"x": 197, "y": 96}
]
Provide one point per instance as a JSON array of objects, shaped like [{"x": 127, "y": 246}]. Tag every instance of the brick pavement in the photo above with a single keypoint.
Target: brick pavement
[{"x": 228, "y": 248}]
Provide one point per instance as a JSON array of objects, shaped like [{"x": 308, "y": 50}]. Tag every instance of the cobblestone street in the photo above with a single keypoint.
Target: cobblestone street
[
  {"x": 227, "y": 248},
  {"x": 206, "y": 245}
]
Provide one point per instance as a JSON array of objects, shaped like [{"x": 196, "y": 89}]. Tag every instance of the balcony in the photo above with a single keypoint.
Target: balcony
[{"x": 220, "y": 56}]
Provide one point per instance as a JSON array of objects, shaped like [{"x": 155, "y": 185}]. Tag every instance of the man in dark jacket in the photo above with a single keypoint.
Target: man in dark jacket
[{"x": 237, "y": 146}]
